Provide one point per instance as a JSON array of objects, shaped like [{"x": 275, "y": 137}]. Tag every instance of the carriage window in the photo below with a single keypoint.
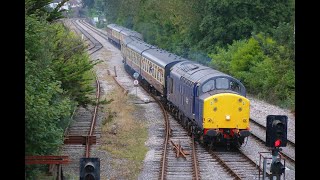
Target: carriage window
[
  {"x": 151, "y": 69},
  {"x": 234, "y": 86},
  {"x": 222, "y": 83},
  {"x": 208, "y": 86},
  {"x": 160, "y": 75}
]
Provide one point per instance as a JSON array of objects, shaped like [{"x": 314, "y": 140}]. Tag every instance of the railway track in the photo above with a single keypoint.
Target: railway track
[
  {"x": 97, "y": 31},
  {"x": 237, "y": 164},
  {"x": 94, "y": 44},
  {"x": 179, "y": 167},
  {"x": 171, "y": 166},
  {"x": 83, "y": 123}
]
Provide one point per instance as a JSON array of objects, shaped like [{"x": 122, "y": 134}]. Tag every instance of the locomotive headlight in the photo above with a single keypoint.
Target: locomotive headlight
[{"x": 228, "y": 117}]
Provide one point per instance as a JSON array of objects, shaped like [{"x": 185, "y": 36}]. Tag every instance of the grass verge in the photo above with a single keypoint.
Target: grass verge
[{"x": 124, "y": 136}]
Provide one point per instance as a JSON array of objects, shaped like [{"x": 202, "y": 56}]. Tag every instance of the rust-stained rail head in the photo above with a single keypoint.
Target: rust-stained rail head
[
  {"x": 47, "y": 160},
  {"x": 80, "y": 139}
]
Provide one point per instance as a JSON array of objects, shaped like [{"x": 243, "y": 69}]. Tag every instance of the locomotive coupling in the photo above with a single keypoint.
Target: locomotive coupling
[{"x": 212, "y": 133}]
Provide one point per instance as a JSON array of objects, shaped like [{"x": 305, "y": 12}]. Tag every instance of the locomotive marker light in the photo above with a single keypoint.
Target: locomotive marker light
[
  {"x": 276, "y": 137},
  {"x": 89, "y": 169}
]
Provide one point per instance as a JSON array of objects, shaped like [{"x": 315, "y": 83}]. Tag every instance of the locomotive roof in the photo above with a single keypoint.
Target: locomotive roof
[
  {"x": 153, "y": 53},
  {"x": 196, "y": 72}
]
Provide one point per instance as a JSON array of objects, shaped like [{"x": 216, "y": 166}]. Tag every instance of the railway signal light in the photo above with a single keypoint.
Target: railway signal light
[
  {"x": 276, "y": 135},
  {"x": 277, "y": 143},
  {"x": 89, "y": 169}
]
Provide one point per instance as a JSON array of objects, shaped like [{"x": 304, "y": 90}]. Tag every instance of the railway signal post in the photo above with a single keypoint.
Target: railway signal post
[
  {"x": 136, "y": 82},
  {"x": 277, "y": 168},
  {"x": 276, "y": 137}
]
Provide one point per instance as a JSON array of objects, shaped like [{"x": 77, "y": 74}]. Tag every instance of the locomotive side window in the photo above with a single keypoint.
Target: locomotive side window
[
  {"x": 222, "y": 83},
  {"x": 234, "y": 86}
]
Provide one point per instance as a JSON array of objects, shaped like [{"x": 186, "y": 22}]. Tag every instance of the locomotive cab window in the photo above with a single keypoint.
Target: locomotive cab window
[
  {"x": 222, "y": 83},
  {"x": 208, "y": 86}
]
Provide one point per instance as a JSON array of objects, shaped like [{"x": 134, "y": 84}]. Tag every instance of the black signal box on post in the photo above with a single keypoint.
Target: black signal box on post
[
  {"x": 89, "y": 169},
  {"x": 276, "y": 135}
]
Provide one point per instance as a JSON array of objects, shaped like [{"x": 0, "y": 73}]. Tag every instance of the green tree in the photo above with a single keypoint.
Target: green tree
[
  {"x": 45, "y": 101},
  {"x": 226, "y": 21},
  {"x": 56, "y": 80},
  {"x": 41, "y": 8}
]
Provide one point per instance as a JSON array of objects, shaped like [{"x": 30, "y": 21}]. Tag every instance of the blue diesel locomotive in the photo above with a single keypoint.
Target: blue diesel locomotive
[{"x": 210, "y": 104}]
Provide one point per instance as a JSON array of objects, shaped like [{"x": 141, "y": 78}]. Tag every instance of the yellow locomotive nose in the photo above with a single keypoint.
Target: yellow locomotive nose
[{"x": 226, "y": 110}]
